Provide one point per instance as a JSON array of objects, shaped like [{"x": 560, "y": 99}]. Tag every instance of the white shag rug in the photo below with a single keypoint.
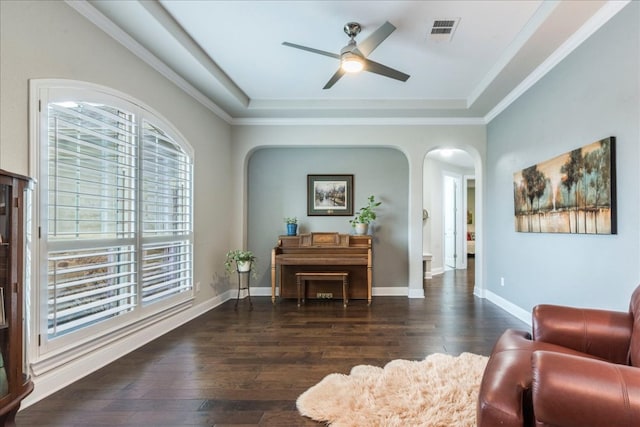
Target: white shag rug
[{"x": 439, "y": 391}]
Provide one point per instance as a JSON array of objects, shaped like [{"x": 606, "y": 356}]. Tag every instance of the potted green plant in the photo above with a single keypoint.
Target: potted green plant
[
  {"x": 292, "y": 225},
  {"x": 365, "y": 215},
  {"x": 239, "y": 260}
]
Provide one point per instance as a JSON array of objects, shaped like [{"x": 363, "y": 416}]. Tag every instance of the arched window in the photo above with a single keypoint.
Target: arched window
[{"x": 114, "y": 203}]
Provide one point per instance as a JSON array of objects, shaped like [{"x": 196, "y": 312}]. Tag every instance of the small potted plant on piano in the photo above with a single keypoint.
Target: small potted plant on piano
[
  {"x": 292, "y": 225},
  {"x": 240, "y": 261},
  {"x": 365, "y": 216}
]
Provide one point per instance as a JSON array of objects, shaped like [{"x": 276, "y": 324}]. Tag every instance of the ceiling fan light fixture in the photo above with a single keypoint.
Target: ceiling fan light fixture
[
  {"x": 351, "y": 63},
  {"x": 353, "y": 59}
]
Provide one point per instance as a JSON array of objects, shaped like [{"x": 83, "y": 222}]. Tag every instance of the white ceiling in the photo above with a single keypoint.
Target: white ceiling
[
  {"x": 452, "y": 156},
  {"x": 229, "y": 54}
]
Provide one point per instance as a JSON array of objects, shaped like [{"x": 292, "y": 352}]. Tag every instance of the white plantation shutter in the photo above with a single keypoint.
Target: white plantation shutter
[
  {"x": 91, "y": 172},
  {"x": 117, "y": 207},
  {"x": 88, "y": 286},
  {"x": 166, "y": 218},
  {"x": 166, "y": 270}
]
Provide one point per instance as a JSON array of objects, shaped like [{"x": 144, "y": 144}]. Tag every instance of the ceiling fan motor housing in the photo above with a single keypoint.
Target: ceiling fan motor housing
[
  {"x": 349, "y": 48},
  {"x": 352, "y": 29}
]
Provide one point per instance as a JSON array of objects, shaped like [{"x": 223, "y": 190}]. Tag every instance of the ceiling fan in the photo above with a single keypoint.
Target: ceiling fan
[{"x": 353, "y": 57}]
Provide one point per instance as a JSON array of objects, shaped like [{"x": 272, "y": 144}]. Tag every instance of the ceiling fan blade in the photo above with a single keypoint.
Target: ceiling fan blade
[
  {"x": 367, "y": 45},
  {"x": 312, "y": 50},
  {"x": 383, "y": 70},
  {"x": 334, "y": 78}
]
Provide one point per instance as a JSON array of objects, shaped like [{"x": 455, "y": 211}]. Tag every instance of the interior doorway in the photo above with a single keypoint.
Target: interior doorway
[
  {"x": 452, "y": 220},
  {"x": 448, "y": 174}
]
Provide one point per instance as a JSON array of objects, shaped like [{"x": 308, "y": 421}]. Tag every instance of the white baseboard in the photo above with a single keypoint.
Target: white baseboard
[
  {"x": 400, "y": 291},
  {"x": 416, "y": 293},
  {"x": 507, "y": 306},
  {"x": 437, "y": 271}
]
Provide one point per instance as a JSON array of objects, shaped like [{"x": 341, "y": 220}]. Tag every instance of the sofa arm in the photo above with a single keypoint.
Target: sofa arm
[
  {"x": 600, "y": 333},
  {"x": 571, "y": 391}
]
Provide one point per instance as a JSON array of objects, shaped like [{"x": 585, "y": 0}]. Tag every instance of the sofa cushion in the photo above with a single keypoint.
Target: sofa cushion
[
  {"x": 573, "y": 391},
  {"x": 505, "y": 391},
  {"x": 601, "y": 333}
]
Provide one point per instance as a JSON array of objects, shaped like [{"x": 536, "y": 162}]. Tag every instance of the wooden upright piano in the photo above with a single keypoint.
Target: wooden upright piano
[{"x": 319, "y": 252}]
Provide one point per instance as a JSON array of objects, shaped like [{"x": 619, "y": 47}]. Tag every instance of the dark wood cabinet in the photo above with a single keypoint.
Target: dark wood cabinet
[{"x": 15, "y": 384}]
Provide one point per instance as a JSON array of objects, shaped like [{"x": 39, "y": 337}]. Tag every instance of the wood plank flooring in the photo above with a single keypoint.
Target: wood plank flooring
[{"x": 246, "y": 368}]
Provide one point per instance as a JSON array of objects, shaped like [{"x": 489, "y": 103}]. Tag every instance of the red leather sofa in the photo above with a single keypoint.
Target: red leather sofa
[{"x": 578, "y": 368}]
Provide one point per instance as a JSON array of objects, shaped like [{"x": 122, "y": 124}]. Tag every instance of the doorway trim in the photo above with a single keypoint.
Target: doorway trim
[{"x": 458, "y": 226}]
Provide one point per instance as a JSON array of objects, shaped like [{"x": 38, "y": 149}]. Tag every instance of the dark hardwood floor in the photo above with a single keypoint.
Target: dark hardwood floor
[{"x": 246, "y": 368}]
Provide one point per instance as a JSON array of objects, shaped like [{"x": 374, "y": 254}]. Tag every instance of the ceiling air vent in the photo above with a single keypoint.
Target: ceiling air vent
[{"x": 443, "y": 29}]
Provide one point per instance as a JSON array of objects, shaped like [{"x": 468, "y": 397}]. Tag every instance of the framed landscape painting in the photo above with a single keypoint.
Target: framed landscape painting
[
  {"x": 572, "y": 193},
  {"x": 330, "y": 195}
]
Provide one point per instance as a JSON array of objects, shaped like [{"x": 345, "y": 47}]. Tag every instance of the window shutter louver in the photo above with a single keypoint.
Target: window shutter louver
[{"x": 166, "y": 201}]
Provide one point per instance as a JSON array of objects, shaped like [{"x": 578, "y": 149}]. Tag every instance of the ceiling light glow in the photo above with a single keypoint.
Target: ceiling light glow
[{"x": 351, "y": 63}]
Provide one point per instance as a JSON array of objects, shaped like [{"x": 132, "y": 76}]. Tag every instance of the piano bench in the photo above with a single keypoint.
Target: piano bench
[{"x": 302, "y": 277}]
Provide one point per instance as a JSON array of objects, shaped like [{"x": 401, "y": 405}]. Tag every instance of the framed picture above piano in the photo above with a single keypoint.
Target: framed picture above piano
[{"x": 330, "y": 195}]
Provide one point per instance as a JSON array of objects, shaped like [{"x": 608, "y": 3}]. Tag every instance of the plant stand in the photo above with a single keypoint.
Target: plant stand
[{"x": 243, "y": 284}]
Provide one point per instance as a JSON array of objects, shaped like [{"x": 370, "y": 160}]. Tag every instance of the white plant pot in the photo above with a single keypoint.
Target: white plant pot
[
  {"x": 243, "y": 266},
  {"x": 361, "y": 228}
]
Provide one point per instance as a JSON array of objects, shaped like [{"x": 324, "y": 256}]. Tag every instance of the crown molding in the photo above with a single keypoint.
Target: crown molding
[{"x": 367, "y": 121}]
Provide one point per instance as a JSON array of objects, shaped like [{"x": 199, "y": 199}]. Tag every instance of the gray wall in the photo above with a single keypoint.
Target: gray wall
[
  {"x": 591, "y": 95},
  {"x": 277, "y": 188}
]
